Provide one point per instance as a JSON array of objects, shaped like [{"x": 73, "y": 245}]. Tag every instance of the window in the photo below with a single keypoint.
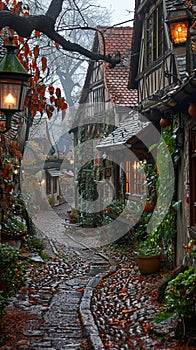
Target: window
[
  {"x": 55, "y": 184},
  {"x": 135, "y": 178},
  {"x": 98, "y": 100},
  {"x": 48, "y": 184},
  {"x": 155, "y": 39}
]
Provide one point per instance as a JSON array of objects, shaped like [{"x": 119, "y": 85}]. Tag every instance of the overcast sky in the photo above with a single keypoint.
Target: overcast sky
[{"x": 120, "y": 9}]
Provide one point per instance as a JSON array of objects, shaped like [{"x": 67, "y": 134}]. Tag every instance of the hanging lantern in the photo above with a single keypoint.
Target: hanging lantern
[
  {"x": 13, "y": 85},
  {"x": 178, "y": 20}
]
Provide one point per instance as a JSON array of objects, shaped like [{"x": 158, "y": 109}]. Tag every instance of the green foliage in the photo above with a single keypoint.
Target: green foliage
[
  {"x": 180, "y": 296},
  {"x": 35, "y": 244},
  {"x": 51, "y": 201},
  {"x": 15, "y": 224},
  {"x": 139, "y": 230},
  {"x": 150, "y": 246},
  {"x": 73, "y": 214},
  {"x": 44, "y": 255},
  {"x": 115, "y": 208},
  {"x": 12, "y": 270},
  {"x": 148, "y": 249},
  {"x": 170, "y": 140},
  {"x": 162, "y": 316}
]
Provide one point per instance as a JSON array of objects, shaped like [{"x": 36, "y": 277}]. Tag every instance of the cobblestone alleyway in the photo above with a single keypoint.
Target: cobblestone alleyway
[{"x": 54, "y": 292}]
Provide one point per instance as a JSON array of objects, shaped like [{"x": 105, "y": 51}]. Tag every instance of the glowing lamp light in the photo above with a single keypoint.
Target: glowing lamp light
[
  {"x": 9, "y": 101},
  {"x": 178, "y": 20},
  {"x": 179, "y": 33},
  {"x": 13, "y": 85}
]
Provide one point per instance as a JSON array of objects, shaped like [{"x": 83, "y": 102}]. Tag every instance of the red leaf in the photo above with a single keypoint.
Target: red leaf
[
  {"x": 57, "y": 45},
  {"x": 51, "y": 90},
  {"x": 37, "y": 33},
  {"x": 58, "y": 92},
  {"x": 36, "y": 51},
  {"x": 44, "y": 63},
  {"x": 1, "y": 5}
]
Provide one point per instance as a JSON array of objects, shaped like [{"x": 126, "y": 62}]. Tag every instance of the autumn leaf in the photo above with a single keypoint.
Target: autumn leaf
[
  {"x": 80, "y": 289},
  {"x": 129, "y": 310},
  {"x": 37, "y": 33},
  {"x": 21, "y": 39},
  {"x": 36, "y": 51},
  {"x": 17, "y": 9},
  {"x": 44, "y": 63},
  {"x": 57, "y": 45},
  {"x": 109, "y": 345},
  {"x": 26, "y": 49},
  {"x": 58, "y": 92},
  {"x": 146, "y": 326},
  {"x": 51, "y": 90},
  {"x": 1, "y": 5}
]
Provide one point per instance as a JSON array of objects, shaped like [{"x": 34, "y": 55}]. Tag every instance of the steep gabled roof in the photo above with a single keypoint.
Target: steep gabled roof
[{"x": 115, "y": 79}]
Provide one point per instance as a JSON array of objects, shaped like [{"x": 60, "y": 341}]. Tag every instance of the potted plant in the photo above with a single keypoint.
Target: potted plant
[
  {"x": 73, "y": 216},
  {"x": 14, "y": 227},
  {"x": 149, "y": 255}
]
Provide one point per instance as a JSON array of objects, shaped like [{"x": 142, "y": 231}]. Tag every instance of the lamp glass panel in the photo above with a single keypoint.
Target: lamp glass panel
[
  {"x": 179, "y": 32},
  {"x": 10, "y": 92}
]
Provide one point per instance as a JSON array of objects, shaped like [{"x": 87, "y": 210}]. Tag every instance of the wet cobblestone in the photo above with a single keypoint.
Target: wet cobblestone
[
  {"x": 76, "y": 302},
  {"x": 52, "y": 293}
]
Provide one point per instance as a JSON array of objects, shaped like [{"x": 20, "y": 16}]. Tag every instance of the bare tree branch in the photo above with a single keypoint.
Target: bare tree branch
[
  {"x": 54, "y": 9},
  {"x": 24, "y": 26}
]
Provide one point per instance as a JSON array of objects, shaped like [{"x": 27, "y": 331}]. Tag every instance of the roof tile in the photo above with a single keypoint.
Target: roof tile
[{"x": 116, "y": 79}]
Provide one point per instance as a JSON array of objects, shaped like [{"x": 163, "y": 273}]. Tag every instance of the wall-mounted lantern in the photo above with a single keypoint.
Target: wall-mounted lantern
[
  {"x": 178, "y": 20},
  {"x": 13, "y": 86}
]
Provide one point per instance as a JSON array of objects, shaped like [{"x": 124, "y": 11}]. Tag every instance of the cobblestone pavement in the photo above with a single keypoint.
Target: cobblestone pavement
[
  {"x": 83, "y": 299},
  {"x": 53, "y": 293}
]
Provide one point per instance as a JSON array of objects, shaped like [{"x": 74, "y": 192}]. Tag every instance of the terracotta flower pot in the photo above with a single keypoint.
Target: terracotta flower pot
[
  {"x": 149, "y": 263},
  {"x": 72, "y": 220}
]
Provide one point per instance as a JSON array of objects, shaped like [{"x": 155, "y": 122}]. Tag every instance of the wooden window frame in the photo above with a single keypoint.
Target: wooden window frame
[
  {"x": 99, "y": 100},
  {"x": 134, "y": 179},
  {"x": 154, "y": 37}
]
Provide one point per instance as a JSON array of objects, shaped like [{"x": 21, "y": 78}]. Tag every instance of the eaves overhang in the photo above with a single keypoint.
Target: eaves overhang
[
  {"x": 176, "y": 99},
  {"x": 125, "y": 134},
  {"x": 182, "y": 95}
]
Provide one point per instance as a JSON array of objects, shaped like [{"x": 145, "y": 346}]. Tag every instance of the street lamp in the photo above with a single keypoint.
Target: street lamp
[
  {"x": 178, "y": 20},
  {"x": 13, "y": 86}
]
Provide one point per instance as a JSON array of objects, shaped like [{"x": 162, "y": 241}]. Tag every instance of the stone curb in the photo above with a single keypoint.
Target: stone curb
[{"x": 90, "y": 329}]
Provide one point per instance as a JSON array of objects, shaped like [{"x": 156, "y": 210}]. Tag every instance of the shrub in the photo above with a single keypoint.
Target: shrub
[
  {"x": 180, "y": 294},
  {"x": 35, "y": 244},
  {"x": 12, "y": 270}
]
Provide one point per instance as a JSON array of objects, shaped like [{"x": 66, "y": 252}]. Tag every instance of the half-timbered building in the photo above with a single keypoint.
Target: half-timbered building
[{"x": 164, "y": 72}]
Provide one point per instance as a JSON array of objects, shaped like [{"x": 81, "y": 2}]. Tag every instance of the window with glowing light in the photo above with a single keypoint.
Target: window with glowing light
[{"x": 135, "y": 178}]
